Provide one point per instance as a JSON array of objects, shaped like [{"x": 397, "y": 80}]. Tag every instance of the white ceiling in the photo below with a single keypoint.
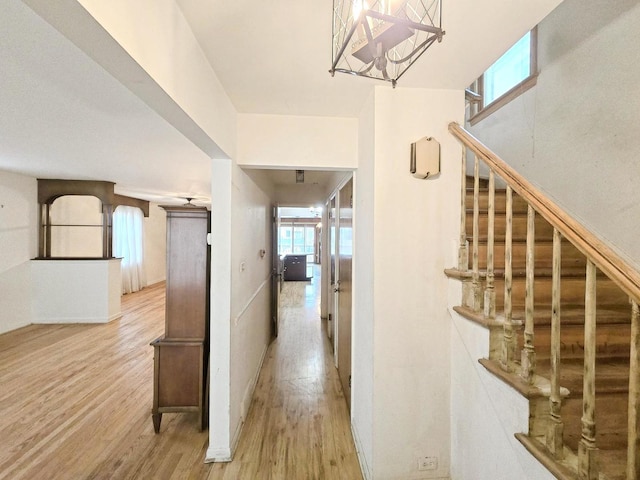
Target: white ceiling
[
  {"x": 64, "y": 116},
  {"x": 274, "y": 56}
]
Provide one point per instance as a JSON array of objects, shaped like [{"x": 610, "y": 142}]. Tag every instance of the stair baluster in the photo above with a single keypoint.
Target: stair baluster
[
  {"x": 490, "y": 292},
  {"x": 477, "y": 287},
  {"x": 555, "y": 430},
  {"x": 553, "y": 439},
  {"x": 463, "y": 252},
  {"x": 528, "y": 352},
  {"x": 508, "y": 338},
  {"x": 633, "y": 445},
  {"x": 587, "y": 449}
]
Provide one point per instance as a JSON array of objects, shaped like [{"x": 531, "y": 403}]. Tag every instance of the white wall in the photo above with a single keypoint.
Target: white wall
[
  {"x": 415, "y": 223},
  {"x": 575, "y": 134},
  {"x": 18, "y": 244},
  {"x": 150, "y": 48},
  {"x": 251, "y": 292},
  {"x": 363, "y": 274},
  {"x": 240, "y": 299},
  {"x": 155, "y": 244},
  {"x": 297, "y": 141},
  {"x": 76, "y": 241}
]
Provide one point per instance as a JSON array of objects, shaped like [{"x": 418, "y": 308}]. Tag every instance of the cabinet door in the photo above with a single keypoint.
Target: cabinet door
[
  {"x": 187, "y": 258},
  {"x": 179, "y": 376}
]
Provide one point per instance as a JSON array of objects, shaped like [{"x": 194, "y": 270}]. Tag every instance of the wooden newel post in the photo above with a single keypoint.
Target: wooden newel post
[{"x": 587, "y": 450}]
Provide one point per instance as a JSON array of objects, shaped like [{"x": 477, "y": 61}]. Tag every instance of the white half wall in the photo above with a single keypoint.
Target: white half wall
[
  {"x": 76, "y": 291},
  {"x": 18, "y": 244}
]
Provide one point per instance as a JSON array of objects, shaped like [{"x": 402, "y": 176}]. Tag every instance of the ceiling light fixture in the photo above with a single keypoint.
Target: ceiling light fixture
[{"x": 382, "y": 39}]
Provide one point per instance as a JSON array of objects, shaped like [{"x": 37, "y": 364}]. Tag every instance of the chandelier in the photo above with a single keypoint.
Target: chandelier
[{"x": 382, "y": 39}]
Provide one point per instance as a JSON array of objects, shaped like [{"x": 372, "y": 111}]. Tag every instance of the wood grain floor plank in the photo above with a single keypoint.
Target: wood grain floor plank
[
  {"x": 76, "y": 403},
  {"x": 298, "y": 425}
]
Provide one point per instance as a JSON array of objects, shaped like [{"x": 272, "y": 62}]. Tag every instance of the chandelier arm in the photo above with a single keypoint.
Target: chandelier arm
[
  {"x": 370, "y": 42},
  {"x": 402, "y": 21},
  {"x": 366, "y": 70},
  {"x": 426, "y": 44}
]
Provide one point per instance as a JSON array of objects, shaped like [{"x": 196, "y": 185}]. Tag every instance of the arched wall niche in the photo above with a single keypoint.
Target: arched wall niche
[{"x": 89, "y": 231}]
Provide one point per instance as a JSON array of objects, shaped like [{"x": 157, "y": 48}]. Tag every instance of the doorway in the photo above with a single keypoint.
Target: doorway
[{"x": 312, "y": 242}]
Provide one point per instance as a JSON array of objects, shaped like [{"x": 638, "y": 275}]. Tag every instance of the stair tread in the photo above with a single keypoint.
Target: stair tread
[
  {"x": 612, "y": 375},
  {"x": 570, "y": 315},
  {"x": 574, "y": 315}
]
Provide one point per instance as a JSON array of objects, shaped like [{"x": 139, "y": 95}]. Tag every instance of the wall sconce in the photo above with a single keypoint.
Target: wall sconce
[{"x": 425, "y": 158}]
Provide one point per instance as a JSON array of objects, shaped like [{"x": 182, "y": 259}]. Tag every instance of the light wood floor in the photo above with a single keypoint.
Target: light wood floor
[
  {"x": 75, "y": 404},
  {"x": 298, "y": 424}
]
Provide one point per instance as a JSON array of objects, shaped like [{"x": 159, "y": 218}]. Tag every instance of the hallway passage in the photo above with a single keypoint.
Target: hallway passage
[{"x": 298, "y": 425}]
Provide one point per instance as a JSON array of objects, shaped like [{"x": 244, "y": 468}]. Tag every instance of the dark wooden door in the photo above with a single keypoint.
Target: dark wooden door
[{"x": 276, "y": 271}]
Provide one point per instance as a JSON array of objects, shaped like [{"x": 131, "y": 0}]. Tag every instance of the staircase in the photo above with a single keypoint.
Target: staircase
[{"x": 561, "y": 330}]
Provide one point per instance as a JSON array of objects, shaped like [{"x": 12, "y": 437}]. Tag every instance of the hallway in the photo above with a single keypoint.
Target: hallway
[{"x": 298, "y": 424}]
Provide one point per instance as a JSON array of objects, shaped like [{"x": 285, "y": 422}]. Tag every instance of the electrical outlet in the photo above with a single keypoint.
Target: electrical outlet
[{"x": 428, "y": 463}]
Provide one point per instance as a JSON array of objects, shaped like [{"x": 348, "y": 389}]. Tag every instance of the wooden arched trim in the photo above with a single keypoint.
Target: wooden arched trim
[{"x": 51, "y": 189}]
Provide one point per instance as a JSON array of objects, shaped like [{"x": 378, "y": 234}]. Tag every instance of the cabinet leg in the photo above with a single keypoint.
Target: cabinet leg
[{"x": 157, "y": 418}]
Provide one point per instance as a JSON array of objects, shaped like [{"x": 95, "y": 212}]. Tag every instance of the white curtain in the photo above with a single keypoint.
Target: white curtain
[{"x": 128, "y": 244}]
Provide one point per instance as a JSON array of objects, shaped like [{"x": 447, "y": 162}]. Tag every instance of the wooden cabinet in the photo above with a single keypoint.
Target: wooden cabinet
[
  {"x": 295, "y": 267},
  {"x": 181, "y": 354}
]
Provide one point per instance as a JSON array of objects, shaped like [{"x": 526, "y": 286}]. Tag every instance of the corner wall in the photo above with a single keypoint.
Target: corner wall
[
  {"x": 240, "y": 300},
  {"x": 405, "y": 231},
  {"x": 362, "y": 374},
  {"x": 18, "y": 244},
  {"x": 250, "y": 292}
]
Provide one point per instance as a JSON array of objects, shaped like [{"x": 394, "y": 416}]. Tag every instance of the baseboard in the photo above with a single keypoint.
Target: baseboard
[
  {"x": 75, "y": 320},
  {"x": 364, "y": 466},
  {"x": 218, "y": 455},
  {"x": 226, "y": 454}
]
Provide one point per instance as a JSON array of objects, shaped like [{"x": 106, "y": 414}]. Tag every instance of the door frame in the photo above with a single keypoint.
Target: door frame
[{"x": 276, "y": 270}]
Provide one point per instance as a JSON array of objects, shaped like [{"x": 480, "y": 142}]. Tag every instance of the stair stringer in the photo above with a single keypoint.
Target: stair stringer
[{"x": 485, "y": 413}]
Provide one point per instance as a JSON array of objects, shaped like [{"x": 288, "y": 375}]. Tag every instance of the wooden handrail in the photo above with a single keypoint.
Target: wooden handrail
[{"x": 607, "y": 260}]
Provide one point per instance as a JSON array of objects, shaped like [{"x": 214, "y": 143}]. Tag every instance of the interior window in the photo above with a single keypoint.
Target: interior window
[
  {"x": 512, "y": 74},
  {"x": 510, "y": 69}
]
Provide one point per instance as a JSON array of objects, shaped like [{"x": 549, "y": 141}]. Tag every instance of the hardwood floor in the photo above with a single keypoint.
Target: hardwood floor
[
  {"x": 298, "y": 424},
  {"x": 75, "y": 403}
]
